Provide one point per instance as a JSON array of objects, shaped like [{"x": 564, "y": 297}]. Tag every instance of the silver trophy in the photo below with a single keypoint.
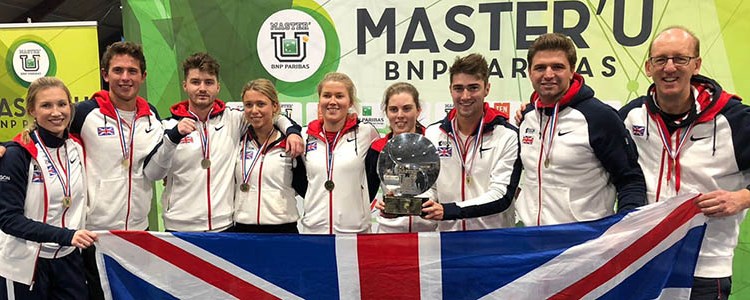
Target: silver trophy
[{"x": 408, "y": 166}]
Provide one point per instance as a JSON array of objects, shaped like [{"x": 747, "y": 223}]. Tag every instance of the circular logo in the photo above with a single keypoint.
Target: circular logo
[
  {"x": 30, "y": 60},
  {"x": 291, "y": 45}
]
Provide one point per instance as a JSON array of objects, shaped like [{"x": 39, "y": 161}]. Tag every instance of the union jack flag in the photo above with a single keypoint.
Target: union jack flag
[
  {"x": 527, "y": 139},
  {"x": 105, "y": 131},
  {"x": 445, "y": 151},
  {"x": 639, "y": 130},
  {"x": 186, "y": 140},
  {"x": 311, "y": 146},
  {"x": 643, "y": 254},
  {"x": 37, "y": 175}
]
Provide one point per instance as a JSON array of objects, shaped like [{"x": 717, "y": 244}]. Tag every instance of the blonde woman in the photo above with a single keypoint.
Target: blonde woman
[
  {"x": 266, "y": 177},
  {"x": 337, "y": 199},
  {"x": 43, "y": 203}
]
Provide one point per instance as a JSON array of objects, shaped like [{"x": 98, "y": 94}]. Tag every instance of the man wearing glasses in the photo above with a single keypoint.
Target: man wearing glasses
[
  {"x": 692, "y": 136},
  {"x": 577, "y": 155}
]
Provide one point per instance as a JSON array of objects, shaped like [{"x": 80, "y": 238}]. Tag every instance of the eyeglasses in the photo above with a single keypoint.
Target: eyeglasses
[{"x": 661, "y": 61}]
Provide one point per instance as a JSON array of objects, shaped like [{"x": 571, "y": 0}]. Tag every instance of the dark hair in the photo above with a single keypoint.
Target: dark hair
[
  {"x": 398, "y": 88},
  {"x": 696, "y": 49},
  {"x": 553, "y": 41},
  {"x": 203, "y": 62},
  {"x": 124, "y": 48},
  {"x": 472, "y": 64}
]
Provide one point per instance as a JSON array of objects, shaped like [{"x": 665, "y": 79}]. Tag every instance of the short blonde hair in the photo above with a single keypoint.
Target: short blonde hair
[
  {"x": 346, "y": 81},
  {"x": 265, "y": 87}
]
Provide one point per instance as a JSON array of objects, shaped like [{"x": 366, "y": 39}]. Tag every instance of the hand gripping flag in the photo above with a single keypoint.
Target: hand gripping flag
[{"x": 647, "y": 253}]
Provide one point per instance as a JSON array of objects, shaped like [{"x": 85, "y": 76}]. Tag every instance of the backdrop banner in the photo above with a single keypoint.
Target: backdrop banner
[
  {"x": 67, "y": 50},
  {"x": 378, "y": 43}
]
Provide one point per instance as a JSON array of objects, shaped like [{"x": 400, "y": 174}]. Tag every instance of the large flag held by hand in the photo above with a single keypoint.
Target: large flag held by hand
[{"x": 643, "y": 254}]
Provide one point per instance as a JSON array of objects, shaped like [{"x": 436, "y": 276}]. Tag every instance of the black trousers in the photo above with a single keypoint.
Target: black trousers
[
  {"x": 281, "y": 228},
  {"x": 711, "y": 288},
  {"x": 59, "y": 278},
  {"x": 93, "y": 282}
]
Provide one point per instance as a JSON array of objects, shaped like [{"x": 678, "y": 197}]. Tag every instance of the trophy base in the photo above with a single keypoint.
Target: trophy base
[{"x": 403, "y": 205}]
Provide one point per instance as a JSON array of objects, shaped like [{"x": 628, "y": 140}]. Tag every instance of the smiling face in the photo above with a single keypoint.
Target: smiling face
[
  {"x": 259, "y": 110},
  {"x": 334, "y": 104},
  {"x": 124, "y": 77},
  {"x": 550, "y": 74},
  {"x": 51, "y": 110},
  {"x": 402, "y": 113},
  {"x": 468, "y": 93},
  {"x": 673, "y": 81},
  {"x": 202, "y": 89}
]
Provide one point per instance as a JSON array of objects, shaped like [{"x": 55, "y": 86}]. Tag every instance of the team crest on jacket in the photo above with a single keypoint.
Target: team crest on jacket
[
  {"x": 311, "y": 146},
  {"x": 527, "y": 139},
  {"x": 638, "y": 130},
  {"x": 186, "y": 140},
  {"x": 445, "y": 151},
  {"x": 249, "y": 154},
  {"x": 105, "y": 131},
  {"x": 36, "y": 176}
]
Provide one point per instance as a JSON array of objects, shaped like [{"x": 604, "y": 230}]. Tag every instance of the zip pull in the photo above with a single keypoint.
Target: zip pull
[{"x": 31, "y": 287}]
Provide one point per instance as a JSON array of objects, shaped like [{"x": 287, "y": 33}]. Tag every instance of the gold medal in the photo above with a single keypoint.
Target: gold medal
[
  {"x": 206, "y": 163},
  {"x": 546, "y": 162},
  {"x": 66, "y": 201},
  {"x": 329, "y": 185},
  {"x": 125, "y": 163},
  {"x": 244, "y": 187},
  {"x": 468, "y": 179}
]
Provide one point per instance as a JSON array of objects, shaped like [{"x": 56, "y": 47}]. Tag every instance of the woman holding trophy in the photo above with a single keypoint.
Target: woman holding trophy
[
  {"x": 337, "y": 200},
  {"x": 266, "y": 177},
  {"x": 402, "y": 108}
]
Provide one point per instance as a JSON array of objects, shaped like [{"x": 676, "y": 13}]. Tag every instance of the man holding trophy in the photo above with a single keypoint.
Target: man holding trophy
[{"x": 478, "y": 151}]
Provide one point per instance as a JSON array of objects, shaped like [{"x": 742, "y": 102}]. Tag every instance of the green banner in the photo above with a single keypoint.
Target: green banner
[
  {"x": 379, "y": 43},
  {"x": 28, "y": 51}
]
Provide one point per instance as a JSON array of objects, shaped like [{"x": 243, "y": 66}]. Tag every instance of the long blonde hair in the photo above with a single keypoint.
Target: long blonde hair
[
  {"x": 346, "y": 81},
  {"x": 35, "y": 87}
]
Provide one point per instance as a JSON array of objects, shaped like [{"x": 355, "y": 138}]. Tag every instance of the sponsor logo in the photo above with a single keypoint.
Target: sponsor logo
[
  {"x": 695, "y": 139},
  {"x": 527, "y": 139},
  {"x": 484, "y": 149},
  {"x": 349, "y": 140},
  {"x": 444, "y": 151},
  {"x": 148, "y": 130},
  {"x": 367, "y": 110},
  {"x": 105, "y": 131},
  {"x": 291, "y": 45},
  {"x": 503, "y": 107},
  {"x": 28, "y": 59},
  {"x": 530, "y": 130},
  {"x": 638, "y": 130},
  {"x": 6, "y": 178},
  {"x": 217, "y": 128},
  {"x": 560, "y": 133}
]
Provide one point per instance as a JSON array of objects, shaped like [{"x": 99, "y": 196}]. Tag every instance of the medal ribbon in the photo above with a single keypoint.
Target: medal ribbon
[
  {"x": 204, "y": 133},
  {"x": 672, "y": 152},
  {"x": 126, "y": 145},
  {"x": 261, "y": 152},
  {"x": 329, "y": 152},
  {"x": 463, "y": 150},
  {"x": 64, "y": 182},
  {"x": 549, "y": 128}
]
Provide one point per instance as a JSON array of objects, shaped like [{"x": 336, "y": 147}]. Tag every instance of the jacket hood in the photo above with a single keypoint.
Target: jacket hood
[
  {"x": 577, "y": 92},
  {"x": 181, "y": 110},
  {"x": 108, "y": 109},
  {"x": 492, "y": 117},
  {"x": 709, "y": 101},
  {"x": 315, "y": 128}
]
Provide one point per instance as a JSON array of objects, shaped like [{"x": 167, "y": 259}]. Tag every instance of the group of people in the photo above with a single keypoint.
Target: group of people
[{"x": 235, "y": 170}]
